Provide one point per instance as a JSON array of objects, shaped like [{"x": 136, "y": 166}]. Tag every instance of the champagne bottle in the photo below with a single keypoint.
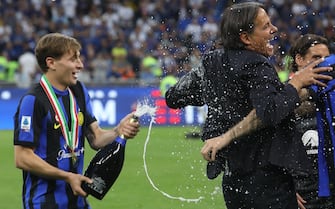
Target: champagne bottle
[{"x": 105, "y": 167}]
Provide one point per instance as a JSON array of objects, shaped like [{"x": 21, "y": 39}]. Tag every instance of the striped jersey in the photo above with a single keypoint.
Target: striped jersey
[{"x": 37, "y": 126}]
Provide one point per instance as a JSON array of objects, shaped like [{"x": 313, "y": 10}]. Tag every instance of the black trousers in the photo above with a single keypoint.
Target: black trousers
[
  {"x": 307, "y": 186},
  {"x": 264, "y": 188}
]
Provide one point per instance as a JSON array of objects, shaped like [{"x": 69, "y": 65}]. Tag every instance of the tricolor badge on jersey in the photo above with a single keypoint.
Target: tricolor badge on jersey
[{"x": 25, "y": 123}]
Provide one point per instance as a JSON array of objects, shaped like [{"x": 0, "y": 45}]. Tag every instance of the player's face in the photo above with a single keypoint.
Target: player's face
[
  {"x": 259, "y": 39},
  {"x": 67, "y": 69},
  {"x": 314, "y": 52}
]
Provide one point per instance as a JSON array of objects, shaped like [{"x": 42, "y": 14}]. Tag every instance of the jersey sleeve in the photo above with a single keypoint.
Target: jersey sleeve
[{"x": 26, "y": 126}]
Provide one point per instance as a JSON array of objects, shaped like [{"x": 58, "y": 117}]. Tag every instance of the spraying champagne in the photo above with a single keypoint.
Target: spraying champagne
[
  {"x": 107, "y": 164},
  {"x": 105, "y": 167}
]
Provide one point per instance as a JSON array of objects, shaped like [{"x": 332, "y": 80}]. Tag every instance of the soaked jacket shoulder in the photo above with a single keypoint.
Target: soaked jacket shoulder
[
  {"x": 214, "y": 57},
  {"x": 187, "y": 91},
  {"x": 249, "y": 63}
]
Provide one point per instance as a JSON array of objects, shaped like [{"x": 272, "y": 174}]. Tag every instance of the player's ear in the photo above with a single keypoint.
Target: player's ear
[{"x": 50, "y": 62}]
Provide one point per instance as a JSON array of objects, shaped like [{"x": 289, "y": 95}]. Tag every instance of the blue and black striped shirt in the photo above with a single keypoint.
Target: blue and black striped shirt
[{"x": 37, "y": 126}]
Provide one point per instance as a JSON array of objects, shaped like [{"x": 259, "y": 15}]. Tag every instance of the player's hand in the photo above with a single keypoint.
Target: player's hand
[
  {"x": 75, "y": 181},
  {"x": 127, "y": 127}
]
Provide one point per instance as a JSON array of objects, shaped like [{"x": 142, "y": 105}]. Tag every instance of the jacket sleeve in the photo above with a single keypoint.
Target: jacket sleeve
[
  {"x": 273, "y": 100},
  {"x": 187, "y": 91}
]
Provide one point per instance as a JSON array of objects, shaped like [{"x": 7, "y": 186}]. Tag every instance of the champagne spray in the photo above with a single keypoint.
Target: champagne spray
[{"x": 107, "y": 164}]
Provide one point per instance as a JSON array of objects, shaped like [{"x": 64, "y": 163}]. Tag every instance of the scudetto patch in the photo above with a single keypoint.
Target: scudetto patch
[{"x": 25, "y": 123}]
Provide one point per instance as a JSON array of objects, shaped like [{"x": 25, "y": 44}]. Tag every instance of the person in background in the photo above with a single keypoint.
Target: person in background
[
  {"x": 121, "y": 67},
  {"x": 305, "y": 50},
  {"x": 101, "y": 65},
  {"x": 168, "y": 80},
  {"x": 28, "y": 68},
  {"x": 234, "y": 80},
  {"x": 150, "y": 69},
  {"x": 3, "y": 66},
  {"x": 50, "y": 126}
]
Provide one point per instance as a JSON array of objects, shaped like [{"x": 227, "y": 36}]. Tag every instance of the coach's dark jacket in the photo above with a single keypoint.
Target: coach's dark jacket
[{"x": 232, "y": 83}]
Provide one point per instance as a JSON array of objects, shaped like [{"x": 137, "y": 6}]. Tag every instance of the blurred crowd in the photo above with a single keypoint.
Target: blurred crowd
[{"x": 139, "y": 41}]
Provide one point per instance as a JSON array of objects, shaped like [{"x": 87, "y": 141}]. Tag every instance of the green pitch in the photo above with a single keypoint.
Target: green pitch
[{"x": 174, "y": 165}]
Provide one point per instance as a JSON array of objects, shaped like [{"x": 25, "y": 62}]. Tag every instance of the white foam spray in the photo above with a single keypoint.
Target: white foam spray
[{"x": 144, "y": 108}]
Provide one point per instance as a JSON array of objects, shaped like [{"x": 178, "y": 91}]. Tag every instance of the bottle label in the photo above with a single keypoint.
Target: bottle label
[{"x": 98, "y": 185}]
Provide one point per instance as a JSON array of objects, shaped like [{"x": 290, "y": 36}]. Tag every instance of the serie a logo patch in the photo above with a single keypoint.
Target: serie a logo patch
[{"x": 25, "y": 123}]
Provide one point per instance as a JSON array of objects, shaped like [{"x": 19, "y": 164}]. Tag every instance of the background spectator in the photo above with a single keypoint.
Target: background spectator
[
  {"x": 145, "y": 27},
  {"x": 28, "y": 69}
]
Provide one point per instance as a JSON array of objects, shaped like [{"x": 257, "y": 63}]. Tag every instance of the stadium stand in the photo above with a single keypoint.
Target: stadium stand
[{"x": 160, "y": 28}]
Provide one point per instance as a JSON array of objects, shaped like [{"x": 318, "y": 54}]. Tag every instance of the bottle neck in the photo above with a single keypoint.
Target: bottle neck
[{"x": 121, "y": 141}]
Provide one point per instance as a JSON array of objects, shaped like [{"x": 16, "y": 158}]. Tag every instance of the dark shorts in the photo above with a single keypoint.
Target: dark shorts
[{"x": 261, "y": 189}]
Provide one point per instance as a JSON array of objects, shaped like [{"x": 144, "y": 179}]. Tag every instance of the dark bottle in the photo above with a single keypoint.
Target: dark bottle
[{"x": 105, "y": 168}]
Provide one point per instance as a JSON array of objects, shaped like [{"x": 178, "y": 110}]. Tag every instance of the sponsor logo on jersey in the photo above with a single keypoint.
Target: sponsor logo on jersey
[
  {"x": 64, "y": 153},
  {"x": 311, "y": 141},
  {"x": 57, "y": 124}
]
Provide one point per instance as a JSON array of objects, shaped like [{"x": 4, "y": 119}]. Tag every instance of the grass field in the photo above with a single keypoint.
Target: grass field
[{"x": 174, "y": 165}]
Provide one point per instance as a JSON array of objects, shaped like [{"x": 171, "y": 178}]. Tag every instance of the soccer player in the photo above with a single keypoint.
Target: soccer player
[
  {"x": 51, "y": 123},
  {"x": 305, "y": 50}
]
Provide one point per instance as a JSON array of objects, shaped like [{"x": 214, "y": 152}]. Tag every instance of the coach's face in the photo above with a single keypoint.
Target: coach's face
[{"x": 259, "y": 39}]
